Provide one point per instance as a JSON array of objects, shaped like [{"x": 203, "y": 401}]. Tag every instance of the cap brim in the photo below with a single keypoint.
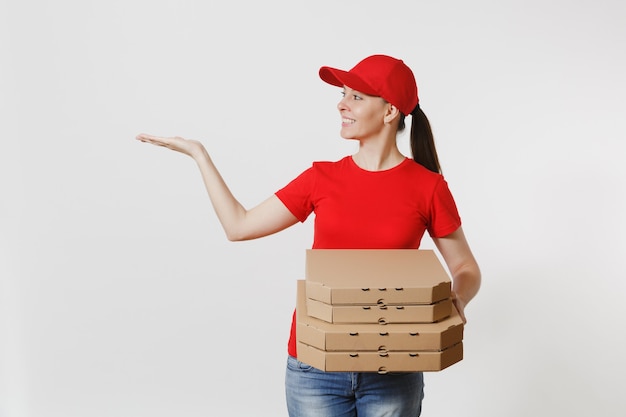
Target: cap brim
[{"x": 339, "y": 78}]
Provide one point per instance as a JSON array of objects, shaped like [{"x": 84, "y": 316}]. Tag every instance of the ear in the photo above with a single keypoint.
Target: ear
[{"x": 392, "y": 113}]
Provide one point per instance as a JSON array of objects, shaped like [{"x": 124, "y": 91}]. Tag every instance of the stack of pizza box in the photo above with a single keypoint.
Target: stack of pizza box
[{"x": 371, "y": 310}]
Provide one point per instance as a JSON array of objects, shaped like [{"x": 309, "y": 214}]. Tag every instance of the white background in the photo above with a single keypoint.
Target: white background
[{"x": 120, "y": 295}]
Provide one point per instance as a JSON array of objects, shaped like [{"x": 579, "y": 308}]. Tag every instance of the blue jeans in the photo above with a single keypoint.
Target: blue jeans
[{"x": 315, "y": 393}]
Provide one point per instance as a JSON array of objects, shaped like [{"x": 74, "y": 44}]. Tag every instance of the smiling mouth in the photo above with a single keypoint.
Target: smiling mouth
[{"x": 347, "y": 121}]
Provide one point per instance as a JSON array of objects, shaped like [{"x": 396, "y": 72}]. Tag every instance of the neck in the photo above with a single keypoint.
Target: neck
[{"x": 379, "y": 156}]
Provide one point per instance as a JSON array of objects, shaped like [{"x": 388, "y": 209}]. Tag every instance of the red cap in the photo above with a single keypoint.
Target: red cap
[{"x": 378, "y": 75}]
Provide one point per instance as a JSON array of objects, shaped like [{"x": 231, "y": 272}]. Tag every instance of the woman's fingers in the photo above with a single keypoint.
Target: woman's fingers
[
  {"x": 155, "y": 140},
  {"x": 188, "y": 147},
  {"x": 172, "y": 143},
  {"x": 460, "y": 306}
]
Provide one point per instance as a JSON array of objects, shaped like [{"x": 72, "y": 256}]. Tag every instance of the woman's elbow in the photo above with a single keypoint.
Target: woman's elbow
[
  {"x": 238, "y": 234},
  {"x": 234, "y": 236}
]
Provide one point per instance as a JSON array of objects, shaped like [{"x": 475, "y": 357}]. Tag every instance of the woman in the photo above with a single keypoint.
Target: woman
[{"x": 375, "y": 199}]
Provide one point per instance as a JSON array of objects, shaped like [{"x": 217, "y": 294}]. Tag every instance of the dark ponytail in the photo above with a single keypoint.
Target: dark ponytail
[{"x": 422, "y": 140}]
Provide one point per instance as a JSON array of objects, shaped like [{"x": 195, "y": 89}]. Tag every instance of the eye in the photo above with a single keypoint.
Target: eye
[{"x": 354, "y": 96}]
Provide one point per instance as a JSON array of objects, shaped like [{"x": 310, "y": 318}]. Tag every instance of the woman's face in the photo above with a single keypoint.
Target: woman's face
[{"x": 362, "y": 115}]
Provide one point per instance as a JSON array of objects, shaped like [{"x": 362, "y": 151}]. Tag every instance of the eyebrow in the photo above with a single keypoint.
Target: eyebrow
[{"x": 347, "y": 89}]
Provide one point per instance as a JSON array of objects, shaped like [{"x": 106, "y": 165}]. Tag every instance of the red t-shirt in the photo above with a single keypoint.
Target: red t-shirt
[{"x": 359, "y": 209}]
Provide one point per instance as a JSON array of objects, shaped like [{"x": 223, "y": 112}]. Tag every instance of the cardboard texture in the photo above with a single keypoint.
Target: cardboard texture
[
  {"x": 382, "y": 361},
  {"x": 377, "y": 310},
  {"x": 375, "y": 276},
  {"x": 373, "y": 337},
  {"x": 420, "y": 313}
]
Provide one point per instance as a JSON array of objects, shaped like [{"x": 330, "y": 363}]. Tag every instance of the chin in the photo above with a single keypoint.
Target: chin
[{"x": 346, "y": 136}]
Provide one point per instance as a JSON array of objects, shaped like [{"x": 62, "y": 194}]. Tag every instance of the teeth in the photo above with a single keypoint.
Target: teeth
[{"x": 347, "y": 120}]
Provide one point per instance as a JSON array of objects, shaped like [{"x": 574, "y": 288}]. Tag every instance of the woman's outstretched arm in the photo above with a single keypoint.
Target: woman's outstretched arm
[{"x": 239, "y": 223}]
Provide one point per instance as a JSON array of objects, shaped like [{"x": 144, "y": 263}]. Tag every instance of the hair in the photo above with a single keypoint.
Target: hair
[{"x": 422, "y": 140}]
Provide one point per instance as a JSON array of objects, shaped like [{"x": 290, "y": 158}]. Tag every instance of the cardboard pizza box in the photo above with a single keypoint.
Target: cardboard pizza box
[
  {"x": 381, "y": 313},
  {"x": 381, "y": 361},
  {"x": 375, "y": 276},
  {"x": 372, "y": 337}
]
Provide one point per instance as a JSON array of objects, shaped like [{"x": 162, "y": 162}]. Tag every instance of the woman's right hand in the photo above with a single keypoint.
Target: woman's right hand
[
  {"x": 189, "y": 147},
  {"x": 239, "y": 223}
]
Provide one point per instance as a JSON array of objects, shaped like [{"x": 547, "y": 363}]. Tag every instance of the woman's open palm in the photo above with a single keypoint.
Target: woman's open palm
[{"x": 182, "y": 145}]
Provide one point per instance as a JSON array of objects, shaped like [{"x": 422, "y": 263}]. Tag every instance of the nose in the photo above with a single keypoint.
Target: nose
[{"x": 342, "y": 104}]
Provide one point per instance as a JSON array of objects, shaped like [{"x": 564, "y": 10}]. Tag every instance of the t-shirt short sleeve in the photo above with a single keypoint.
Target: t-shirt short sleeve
[
  {"x": 445, "y": 217},
  {"x": 296, "y": 195}
]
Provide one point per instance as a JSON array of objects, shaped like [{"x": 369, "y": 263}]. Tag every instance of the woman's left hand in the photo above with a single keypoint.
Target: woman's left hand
[{"x": 460, "y": 306}]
